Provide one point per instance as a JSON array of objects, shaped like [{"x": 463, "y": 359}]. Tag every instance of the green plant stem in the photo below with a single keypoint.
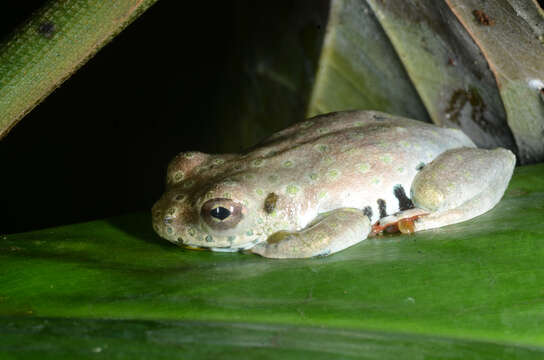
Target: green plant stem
[{"x": 52, "y": 45}]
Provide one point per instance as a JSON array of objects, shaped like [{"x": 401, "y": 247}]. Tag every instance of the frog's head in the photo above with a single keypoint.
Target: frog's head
[{"x": 204, "y": 207}]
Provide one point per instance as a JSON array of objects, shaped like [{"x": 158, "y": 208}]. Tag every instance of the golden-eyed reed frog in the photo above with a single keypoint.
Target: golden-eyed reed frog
[{"x": 327, "y": 183}]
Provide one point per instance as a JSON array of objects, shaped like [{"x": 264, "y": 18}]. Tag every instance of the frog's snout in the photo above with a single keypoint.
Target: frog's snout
[{"x": 165, "y": 219}]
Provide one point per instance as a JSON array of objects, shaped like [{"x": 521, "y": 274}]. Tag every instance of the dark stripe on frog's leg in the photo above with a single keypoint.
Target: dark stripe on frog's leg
[
  {"x": 367, "y": 210},
  {"x": 382, "y": 206},
  {"x": 404, "y": 201}
]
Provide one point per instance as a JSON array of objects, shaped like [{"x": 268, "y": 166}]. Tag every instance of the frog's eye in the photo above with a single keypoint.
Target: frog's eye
[{"x": 221, "y": 214}]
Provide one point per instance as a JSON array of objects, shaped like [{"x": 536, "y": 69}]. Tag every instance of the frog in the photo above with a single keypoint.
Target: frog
[{"x": 327, "y": 183}]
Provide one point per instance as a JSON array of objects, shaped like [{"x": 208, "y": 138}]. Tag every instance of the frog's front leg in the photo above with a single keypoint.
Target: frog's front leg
[
  {"x": 329, "y": 233},
  {"x": 461, "y": 184}
]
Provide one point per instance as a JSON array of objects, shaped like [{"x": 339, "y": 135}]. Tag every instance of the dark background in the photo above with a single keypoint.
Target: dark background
[{"x": 98, "y": 146}]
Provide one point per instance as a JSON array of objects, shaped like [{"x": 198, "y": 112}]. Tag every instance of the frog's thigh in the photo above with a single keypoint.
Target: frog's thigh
[
  {"x": 331, "y": 232},
  {"x": 461, "y": 184}
]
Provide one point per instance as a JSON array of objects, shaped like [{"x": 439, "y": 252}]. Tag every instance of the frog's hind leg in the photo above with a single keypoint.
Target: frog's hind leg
[
  {"x": 329, "y": 233},
  {"x": 461, "y": 184}
]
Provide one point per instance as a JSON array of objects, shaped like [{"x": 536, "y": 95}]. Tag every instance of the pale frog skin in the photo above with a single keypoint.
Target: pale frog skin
[{"x": 320, "y": 186}]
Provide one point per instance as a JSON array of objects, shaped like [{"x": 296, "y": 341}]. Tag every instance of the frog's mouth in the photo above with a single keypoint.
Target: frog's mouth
[{"x": 217, "y": 249}]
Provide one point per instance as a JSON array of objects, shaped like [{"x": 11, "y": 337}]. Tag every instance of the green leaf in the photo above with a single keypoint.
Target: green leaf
[
  {"x": 56, "y": 338},
  {"x": 514, "y": 49},
  {"x": 423, "y": 59},
  {"x": 52, "y": 45},
  {"x": 447, "y": 68},
  {"x": 471, "y": 290},
  {"x": 359, "y": 69}
]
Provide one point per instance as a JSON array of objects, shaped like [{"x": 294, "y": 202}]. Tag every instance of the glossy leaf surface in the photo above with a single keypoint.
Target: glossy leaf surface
[{"x": 473, "y": 289}]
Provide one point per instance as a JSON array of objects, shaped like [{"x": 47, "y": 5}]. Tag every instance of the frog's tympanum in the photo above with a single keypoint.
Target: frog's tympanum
[{"x": 328, "y": 183}]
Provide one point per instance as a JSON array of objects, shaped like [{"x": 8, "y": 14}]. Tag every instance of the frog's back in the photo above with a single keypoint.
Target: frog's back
[
  {"x": 358, "y": 123},
  {"x": 354, "y": 159}
]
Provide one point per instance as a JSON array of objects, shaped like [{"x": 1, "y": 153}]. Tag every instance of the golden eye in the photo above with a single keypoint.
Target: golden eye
[{"x": 222, "y": 213}]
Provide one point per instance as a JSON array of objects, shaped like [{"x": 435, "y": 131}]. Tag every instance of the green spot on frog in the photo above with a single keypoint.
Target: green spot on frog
[
  {"x": 249, "y": 233},
  {"x": 348, "y": 148},
  {"x": 328, "y": 160},
  {"x": 292, "y": 189},
  {"x": 259, "y": 192},
  {"x": 218, "y": 161},
  {"x": 209, "y": 195},
  {"x": 363, "y": 167},
  {"x": 322, "y": 148},
  {"x": 333, "y": 174},
  {"x": 288, "y": 164},
  {"x": 178, "y": 176},
  {"x": 257, "y": 163},
  {"x": 191, "y": 231},
  {"x": 209, "y": 238},
  {"x": 313, "y": 176},
  {"x": 387, "y": 158}
]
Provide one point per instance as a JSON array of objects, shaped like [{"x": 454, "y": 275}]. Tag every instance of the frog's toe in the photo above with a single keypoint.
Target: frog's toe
[{"x": 403, "y": 221}]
